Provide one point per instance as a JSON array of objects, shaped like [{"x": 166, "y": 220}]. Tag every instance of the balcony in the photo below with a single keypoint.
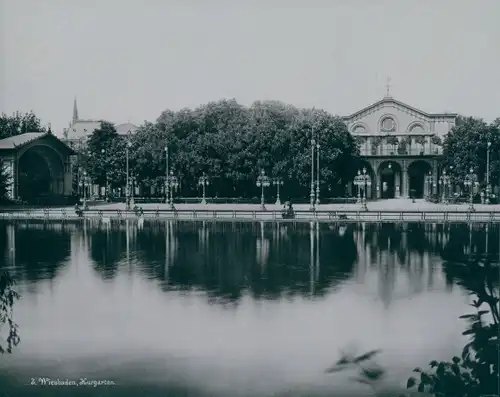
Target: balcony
[{"x": 390, "y": 150}]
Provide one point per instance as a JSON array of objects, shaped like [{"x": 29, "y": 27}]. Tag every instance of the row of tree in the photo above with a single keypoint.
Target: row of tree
[{"x": 231, "y": 143}]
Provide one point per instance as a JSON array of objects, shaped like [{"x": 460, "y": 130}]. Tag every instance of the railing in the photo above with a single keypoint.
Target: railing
[
  {"x": 232, "y": 200},
  {"x": 251, "y": 215},
  {"x": 388, "y": 150}
]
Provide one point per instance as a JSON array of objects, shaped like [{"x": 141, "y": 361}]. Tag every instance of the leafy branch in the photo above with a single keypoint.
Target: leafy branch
[{"x": 7, "y": 298}]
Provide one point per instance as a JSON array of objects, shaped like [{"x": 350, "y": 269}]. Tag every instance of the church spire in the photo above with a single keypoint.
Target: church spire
[{"x": 75, "y": 111}]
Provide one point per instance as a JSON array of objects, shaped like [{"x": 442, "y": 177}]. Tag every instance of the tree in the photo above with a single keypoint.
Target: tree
[
  {"x": 465, "y": 146},
  {"x": 5, "y": 182},
  {"x": 19, "y": 123},
  {"x": 7, "y": 298},
  {"x": 231, "y": 143},
  {"x": 147, "y": 154},
  {"x": 102, "y": 154}
]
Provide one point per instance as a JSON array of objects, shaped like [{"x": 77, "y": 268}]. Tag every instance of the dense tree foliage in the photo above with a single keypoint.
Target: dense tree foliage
[
  {"x": 5, "y": 183},
  {"x": 19, "y": 123},
  {"x": 231, "y": 144},
  {"x": 465, "y": 146},
  {"x": 104, "y": 159},
  {"x": 8, "y": 296}
]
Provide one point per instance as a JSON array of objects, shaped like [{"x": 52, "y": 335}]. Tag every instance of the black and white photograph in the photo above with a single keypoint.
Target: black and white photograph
[{"x": 249, "y": 198}]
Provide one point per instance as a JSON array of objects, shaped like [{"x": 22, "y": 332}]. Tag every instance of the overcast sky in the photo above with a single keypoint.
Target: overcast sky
[{"x": 129, "y": 60}]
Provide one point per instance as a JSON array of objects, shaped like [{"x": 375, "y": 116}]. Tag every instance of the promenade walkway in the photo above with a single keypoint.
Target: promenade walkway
[
  {"x": 382, "y": 211},
  {"x": 382, "y": 205}
]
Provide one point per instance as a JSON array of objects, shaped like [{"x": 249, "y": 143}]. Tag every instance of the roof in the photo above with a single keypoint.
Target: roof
[
  {"x": 124, "y": 128},
  {"x": 402, "y": 104},
  {"x": 14, "y": 142},
  {"x": 20, "y": 140}
]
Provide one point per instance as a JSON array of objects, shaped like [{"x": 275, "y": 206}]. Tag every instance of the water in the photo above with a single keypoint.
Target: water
[{"x": 231, "y": 309}]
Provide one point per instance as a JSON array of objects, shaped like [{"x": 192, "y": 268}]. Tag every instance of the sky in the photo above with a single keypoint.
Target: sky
[{"x": 127, "y": 60}]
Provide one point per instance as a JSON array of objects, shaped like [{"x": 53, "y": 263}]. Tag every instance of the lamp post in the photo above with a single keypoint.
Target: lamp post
[
  {"x": 444, "y": 181},
  {"x": 358, "y": 182},
  {"x": 83, "y": 183},
  {"x": 278, "y": 182},
  {"x": 471, "y": 182},
  {"x": 132, "y": 190},
  {"x": 203, "y": 182},
  {"x": 488, "y": 187},
  {"x": 428, "y": 180},
  {"x": 127, "y": 187},
  {"x": 172, "y": 183},
  {"x": 366, "y": 183},
  {"x": 311, "y": 206},
  {"x": 262, "y": 182},
  {"x": 166, "y": 175},
  {"x": 106, "y": 194},
  {"x": 317, "y": 173}
]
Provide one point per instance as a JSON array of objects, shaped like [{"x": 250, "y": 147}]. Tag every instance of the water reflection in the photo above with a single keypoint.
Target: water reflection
[
  {"x": 35, "y": 251},
  {"x": 296, "y": 294},
  {"x": 266, "y": 259}
]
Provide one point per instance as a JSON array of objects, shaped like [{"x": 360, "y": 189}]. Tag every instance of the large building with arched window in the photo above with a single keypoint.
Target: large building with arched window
[{"x": 400, "y": 147}]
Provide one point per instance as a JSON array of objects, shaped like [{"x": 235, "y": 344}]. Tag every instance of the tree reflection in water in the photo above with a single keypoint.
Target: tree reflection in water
[
  {"x": 106, "y": 249},
  {"x": 264, "y": 259},
  {"x": 227, "y": 260},
  {"x": 36, "y": 250},
  {"x": 271, "y": 259}
]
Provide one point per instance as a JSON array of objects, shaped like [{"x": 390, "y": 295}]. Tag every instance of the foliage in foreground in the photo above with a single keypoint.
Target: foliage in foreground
[
  {"x": 475, "y": 373},
  {"x": 7, "y": 298}
]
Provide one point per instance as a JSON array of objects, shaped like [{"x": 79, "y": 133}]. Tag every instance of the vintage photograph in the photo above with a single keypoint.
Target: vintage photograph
[{"x": 249, "y": 198}]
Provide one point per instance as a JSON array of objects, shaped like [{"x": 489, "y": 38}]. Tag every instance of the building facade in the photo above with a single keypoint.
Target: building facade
[
  {"x": 79, "y": 130},
  {"x": 400, "y": 146},
  {"x": 38, "y": 164}
]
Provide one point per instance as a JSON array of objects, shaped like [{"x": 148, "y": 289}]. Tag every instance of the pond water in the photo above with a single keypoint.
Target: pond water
[{"x": 231, "y": 309}]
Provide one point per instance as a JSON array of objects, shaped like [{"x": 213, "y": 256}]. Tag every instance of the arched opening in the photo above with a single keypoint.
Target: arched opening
[
  {"x": 39, "y": 174},
  {"x": 390, "y": 185},
  {"x": 416, "y": 177}
]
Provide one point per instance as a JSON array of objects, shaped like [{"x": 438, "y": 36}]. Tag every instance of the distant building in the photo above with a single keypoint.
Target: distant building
[
  {"x": 400, "y": 147},
  {"x": 79, "y": 129}
]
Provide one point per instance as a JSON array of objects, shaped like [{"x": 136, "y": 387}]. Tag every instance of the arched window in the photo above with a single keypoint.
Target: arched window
[
  {"x": 417, "y": 129},
  {"x": 359, "y": 129}
]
